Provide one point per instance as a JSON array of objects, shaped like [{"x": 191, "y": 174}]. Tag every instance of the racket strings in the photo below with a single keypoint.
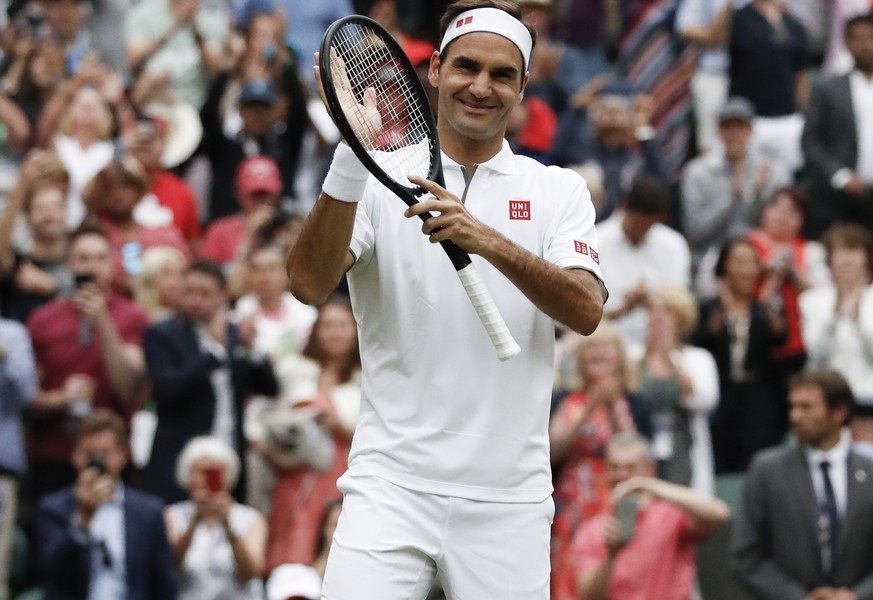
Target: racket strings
[{"x": 399, "y": 140}]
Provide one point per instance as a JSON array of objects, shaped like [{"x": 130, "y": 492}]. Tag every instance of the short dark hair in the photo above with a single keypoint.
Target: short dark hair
[
  {"x": 797, "y": 195},
  {"x": 849, "y": 235},
  {"x": 834, "y": 387},
  {"x": 210, "y": 268},
  {"x": 88, "y": 227},
  {"x": 100, "y": 420},
  {"x": 456, "y": 8},
  {"x": 862, "y": 19},
  {"x": 725, "y": 252},
  {"x": 650, "y": 196}
]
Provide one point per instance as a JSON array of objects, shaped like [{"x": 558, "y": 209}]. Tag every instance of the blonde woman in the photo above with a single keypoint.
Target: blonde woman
[
  {"x": 597, "y": 408},
  {"x": 158, "y": 287},
  {"x": 83, "y": 143},
  {"x": 680, "y": 384}
]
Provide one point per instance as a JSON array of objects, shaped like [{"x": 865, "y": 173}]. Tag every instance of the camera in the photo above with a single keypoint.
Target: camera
[
  {"x": 98, "y": 463},
  {"x": 81, "y": 279}
]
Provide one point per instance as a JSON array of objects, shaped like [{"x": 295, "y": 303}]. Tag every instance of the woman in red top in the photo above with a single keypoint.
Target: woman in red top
[
  {"x": 578, "y": 433},
  {"x": 793, "y": 264}
]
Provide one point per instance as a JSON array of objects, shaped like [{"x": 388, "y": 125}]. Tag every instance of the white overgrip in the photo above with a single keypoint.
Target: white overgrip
[{"x": 488, "y": 313}]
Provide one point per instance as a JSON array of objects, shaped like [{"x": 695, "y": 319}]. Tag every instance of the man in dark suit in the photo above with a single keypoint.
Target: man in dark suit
[
  {"x": 101, "y": 539},
  {"x": 838, "y": 137},
  {"x": 807, "y": 516},
  {"x": 202, "y": 370}
]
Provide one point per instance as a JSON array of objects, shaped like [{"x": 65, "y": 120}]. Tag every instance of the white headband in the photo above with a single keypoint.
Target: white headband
[{"x": 492, "y": 20}]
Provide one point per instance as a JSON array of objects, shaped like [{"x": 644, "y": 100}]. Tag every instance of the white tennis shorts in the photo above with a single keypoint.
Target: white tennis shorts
[{"x": 392, "y": 543}]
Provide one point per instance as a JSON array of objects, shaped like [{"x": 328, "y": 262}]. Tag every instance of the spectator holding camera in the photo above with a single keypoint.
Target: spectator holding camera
[
  {"x": 793, "y": 265},
  {"x": 646, "y": 546},
  {"x": 217, "y": 543},
  {"x": 88, "y": 354},
  {"x": 321, "y": 394},
  {"x": 100, "y": 538},
  {"x": 29, "y": 279}
]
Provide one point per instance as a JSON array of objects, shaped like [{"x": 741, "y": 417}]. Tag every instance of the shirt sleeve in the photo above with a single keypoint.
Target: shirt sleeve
[
  {"x": 571, "y": 239},
  {"x": 364, "y": 234}
]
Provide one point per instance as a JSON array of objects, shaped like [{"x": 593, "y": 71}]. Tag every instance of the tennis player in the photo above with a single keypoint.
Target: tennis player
[{"x": 449, "y": 474}]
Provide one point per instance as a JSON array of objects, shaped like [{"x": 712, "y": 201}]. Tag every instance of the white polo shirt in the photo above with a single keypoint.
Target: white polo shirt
[{"x": 439, "y": 412}]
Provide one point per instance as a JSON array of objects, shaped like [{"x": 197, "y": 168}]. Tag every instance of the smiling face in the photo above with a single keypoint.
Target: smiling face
[{"x": 480, "y": 81}]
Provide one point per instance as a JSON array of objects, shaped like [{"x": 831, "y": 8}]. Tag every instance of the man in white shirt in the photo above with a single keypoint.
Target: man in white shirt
[
  {"x": 838, "y": 136},
  {"x": 807, "y": 517},
  {"x": 639, "y": 254},
  {"x": 451, "y": 446}
]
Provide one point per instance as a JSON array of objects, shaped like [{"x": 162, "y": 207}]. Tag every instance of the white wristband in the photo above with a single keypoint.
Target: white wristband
[{"x": 346, "y": 177}]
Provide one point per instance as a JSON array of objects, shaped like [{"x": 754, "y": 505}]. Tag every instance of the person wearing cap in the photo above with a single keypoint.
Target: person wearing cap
[
  {"x": 838, "y": 136},
  {"x": 451, "y": 446},
  {"x": 258, "y": 185},
  {"x": 723, "y": 190},
  {"x": 261, "y": 130}
]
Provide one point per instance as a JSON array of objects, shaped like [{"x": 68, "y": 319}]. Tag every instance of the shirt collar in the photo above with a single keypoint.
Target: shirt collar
[
  {"x": 117, "y": 496},
  {"x": 839, "y": 454},
  {"x": 503, "y": 162}
]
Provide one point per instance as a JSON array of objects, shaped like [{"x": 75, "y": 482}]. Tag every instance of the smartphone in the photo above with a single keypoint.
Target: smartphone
[
  {"x": 81, "y": 279},
  {"x": 214, "y": 479},
  {"x": 98, "y": 463},
  {"x": 626, "y": 513}
]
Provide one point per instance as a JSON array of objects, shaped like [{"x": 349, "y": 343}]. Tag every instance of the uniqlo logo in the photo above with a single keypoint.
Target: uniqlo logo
[
  {"x": 595, "y": 256},
  {"x": 462, "y": 22},
  {"x": 519, "y": 210},
  {"x": 581, "y": 247}
]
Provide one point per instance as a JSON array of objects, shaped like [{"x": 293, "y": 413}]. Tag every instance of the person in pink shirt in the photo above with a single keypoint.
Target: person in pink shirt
[
  {"x": 645, "y": 548},
  {"x": 258, "y": 186}
]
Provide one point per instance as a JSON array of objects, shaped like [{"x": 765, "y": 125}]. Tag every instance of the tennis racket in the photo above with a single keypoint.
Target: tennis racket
[{"x": 379, "y": 105}]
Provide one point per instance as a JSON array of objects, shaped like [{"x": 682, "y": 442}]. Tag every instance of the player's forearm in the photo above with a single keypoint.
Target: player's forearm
[
  {"x": 321, "y": 256},
  {"x": 570, "y": 296}
]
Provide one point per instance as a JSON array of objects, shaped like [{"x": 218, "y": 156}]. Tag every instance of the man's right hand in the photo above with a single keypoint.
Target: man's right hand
[{"x": 92, "y": 490}]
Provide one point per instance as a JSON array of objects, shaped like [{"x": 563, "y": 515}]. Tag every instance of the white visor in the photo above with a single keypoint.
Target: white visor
[{"x": 492, "y": 20}]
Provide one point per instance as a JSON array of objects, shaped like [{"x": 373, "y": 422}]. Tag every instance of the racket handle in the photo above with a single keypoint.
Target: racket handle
[{"x": 488, "y": 313}]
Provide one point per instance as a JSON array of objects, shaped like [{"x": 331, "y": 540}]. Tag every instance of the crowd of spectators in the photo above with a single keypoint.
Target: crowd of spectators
[{"x": 173, "y": 421}]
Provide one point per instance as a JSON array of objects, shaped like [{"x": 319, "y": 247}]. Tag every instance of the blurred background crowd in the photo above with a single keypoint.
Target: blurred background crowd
[{"x": 157, "y": 158}]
